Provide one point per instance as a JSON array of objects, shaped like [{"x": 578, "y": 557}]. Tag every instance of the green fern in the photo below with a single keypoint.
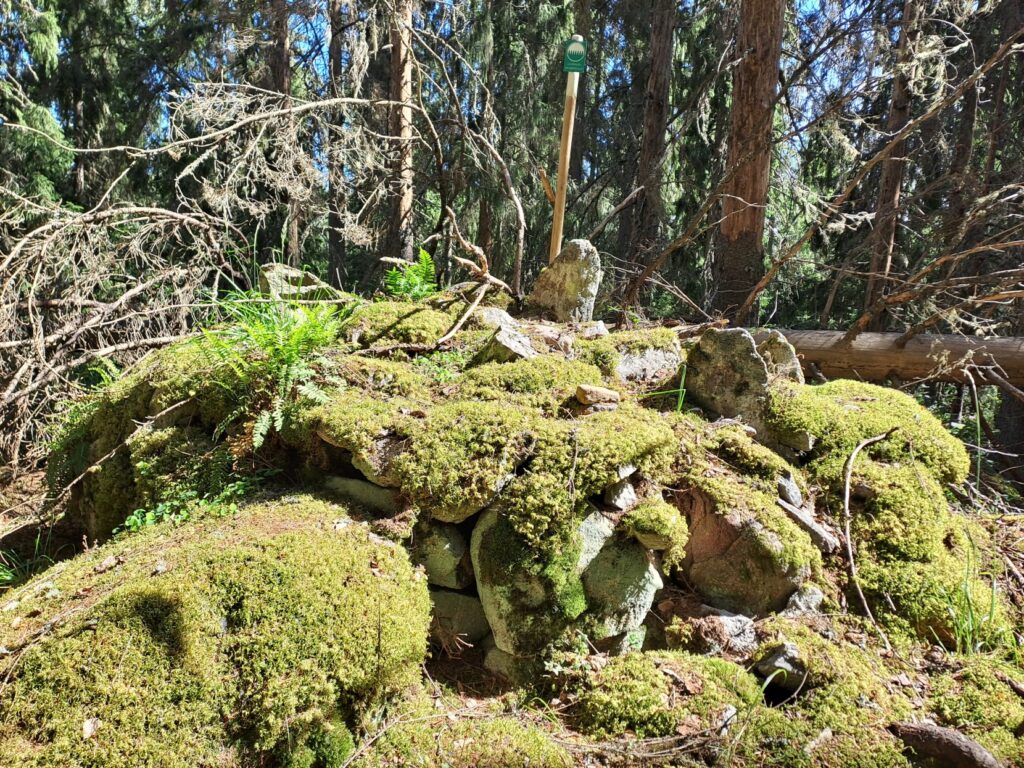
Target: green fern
[
  {"x": 271, "y": 353},
  {"x": 415, "y": 281}
]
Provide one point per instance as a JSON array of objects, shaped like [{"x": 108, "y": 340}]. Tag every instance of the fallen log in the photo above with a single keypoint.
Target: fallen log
[{"x": 879, "y": 356}]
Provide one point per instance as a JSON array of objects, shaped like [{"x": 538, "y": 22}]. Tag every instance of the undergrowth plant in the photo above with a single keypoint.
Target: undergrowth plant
[
  {"x": 16, "y": 567},
  {"x": 273, "y": 350},
  {"x": 183, "y": 503},
  {"x": 415, "y": 281},
  {"x": 975, "y": 623}
]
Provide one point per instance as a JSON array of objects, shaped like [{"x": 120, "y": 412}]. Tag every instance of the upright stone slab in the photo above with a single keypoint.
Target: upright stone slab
[{"x": 568, "y": 287}]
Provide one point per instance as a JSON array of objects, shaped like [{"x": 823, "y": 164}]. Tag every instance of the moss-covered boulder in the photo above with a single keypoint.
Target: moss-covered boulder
[
  {"x": 424, "y": 733},
  {"x": 659, "y": 694},
  {"x": 238, "y": 640}
]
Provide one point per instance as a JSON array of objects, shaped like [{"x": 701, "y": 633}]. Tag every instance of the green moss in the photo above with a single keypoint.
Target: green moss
[
  {"x": 461, "y": 454},
  {"x": 541, "y": 589},
  {"x": 352, "y": 420},
  {"x": 738, "y": 449},
  {"x": 600, "y": 353},
  {"x": 974, "y": 699},
  {"x": 545, "y": 382},
  {"x": 658, "y": 525},
  {"x": 573, "y": 460},
  {"x": 785, "y": 738},
  {"x": 383, "y": 377},
  {"x": 651, "y": 694},
  {"x": 845, "y": 687},
  {"x": 842, "y": 413},
  {"x": 221, "y": 642},
  {"x": 424, "y": 736},
  {"x": 397, "y": 322}
]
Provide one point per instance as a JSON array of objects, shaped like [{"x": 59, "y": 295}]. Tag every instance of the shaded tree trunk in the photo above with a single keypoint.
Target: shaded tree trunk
[
  {"x": 281, "y": 81},
  {"x": 400, "y": 238},
  {"x": 890, "y": 184},
  {"x": 739, "y": 257},
  {"x": 649, "y": 213},
  {"x": 336, "y": 251}
]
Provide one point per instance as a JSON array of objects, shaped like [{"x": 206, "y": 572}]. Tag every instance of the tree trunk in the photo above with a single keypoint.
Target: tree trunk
[
  {"x": 400, "y": 225},
  {"x": 281, "y": 82},
  {"x": 336, "y": 256},
  {"x": 649, "y": 212},
  {"x": 739, "y": 257},
  {"x": 883, "y": 236}
]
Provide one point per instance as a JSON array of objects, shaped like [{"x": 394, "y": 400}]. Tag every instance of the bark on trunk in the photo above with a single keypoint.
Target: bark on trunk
[
  {"x": 336, "y": 251},
  {"x": 739, "y": 254},
  {"x": 649, "y": 212},
  {"x": 281, "y": 78},
  {"x": 401, "y": 235},
  {"x": 883, "y": 237}
]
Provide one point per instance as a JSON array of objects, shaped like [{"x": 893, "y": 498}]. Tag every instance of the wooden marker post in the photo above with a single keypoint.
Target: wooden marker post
[{"x": 574, "y": 61}]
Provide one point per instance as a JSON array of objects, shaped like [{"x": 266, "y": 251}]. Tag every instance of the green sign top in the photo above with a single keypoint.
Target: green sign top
[{"x": 574, "y": 55}]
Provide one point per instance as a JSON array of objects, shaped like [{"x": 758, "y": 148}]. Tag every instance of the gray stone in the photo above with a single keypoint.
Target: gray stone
[
  {"x": 517, "y": 670},
  {"x": 588, "y": 394},
  {"x": 595, "y": 530},
  {"x": 527, "y": 607},
  {"x": 726, "y": 375},
  {"x": 651, "y": 364},
  {"x": 627, "y": 642},
  {"x": 715, "y": 632},
  {"x": 493, "y": 318},
  {"x": 594, "y": 330},
  {"x": 779, "y": 356},
  {"x": 505, "y": 346},
  {"x": 620, "y": 584},
  {"x": 443, "y": 552},
  {"x": 370, "y": 497},
  {"x": 734, "y": 561},
  {"x": 457, "y": 618},
  {"x": 280, "y": 281},
  {"x": 784, "y": 667},
  {"x": 621, "y": 495},
  {"x": 806, "y": 601},
  {"x": 789, "y": 491},
  {"x": 567, "y": 288},
  {"x": 824, "y": 538}
]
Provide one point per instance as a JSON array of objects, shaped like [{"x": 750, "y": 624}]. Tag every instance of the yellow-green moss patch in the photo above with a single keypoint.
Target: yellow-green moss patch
[
  {"x": 241, "y": 639},
  {"x": 397, "y": 322},
  {"x": 651, "y": 694}
]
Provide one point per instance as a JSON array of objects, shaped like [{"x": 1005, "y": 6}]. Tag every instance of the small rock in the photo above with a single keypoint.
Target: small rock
[
  {"x": 567, "y": 288},
  {"x": 646, "y": 365},
  {"x": 598, "y": 408},
  {"x": 109, "y": 562},
  {"x": 89, "y": 727},
  {"x": 789, "y": 490},
  {"x": 369, "y": 496},
  {"x": 594, "y": 330},
  {"x": 160, "y": 567},
  {"x": 806, "y": 601},
  {"x": 726, "y": 719},
  {"x": 494, "y": 318},
  {"x": 10, "y": 606},
  {"x": 621, "y": 495},
  {"x": 444, "y": 554},
  {"x": 457, "y": 616},
  {"x": 505, "y": 346},
  {"x": 784, "y": 667},
  {"x": 823, "y": 536},
  {"x": 591, "y": 395}
]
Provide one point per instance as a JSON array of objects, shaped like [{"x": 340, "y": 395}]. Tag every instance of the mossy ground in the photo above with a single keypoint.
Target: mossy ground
[{"x": 256, "y": 635}]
